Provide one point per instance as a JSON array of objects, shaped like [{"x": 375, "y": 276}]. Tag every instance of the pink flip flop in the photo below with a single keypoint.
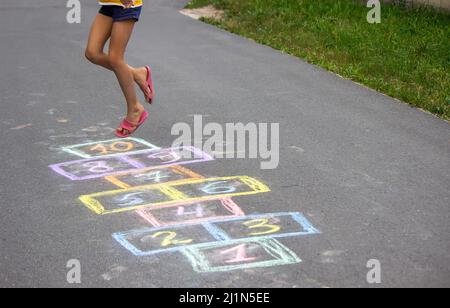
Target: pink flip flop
[
  {"x": 150, "y": 85},
  {"x": 130, "y": 127}
]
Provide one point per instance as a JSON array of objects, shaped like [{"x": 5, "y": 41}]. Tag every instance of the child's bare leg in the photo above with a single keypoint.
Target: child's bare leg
[
  {"x": 100, "y": 33},
  {"x": 120, "y": 35}
]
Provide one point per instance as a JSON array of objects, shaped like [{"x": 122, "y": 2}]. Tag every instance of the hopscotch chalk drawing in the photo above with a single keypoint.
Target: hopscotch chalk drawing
[
  {"x": 191, "y": 212},
  {"x": 239, "y": 254},
  {"x": 135, "y": 198},
  {"x": 150, "y": 176},
  {"x": 188, "y": 213},
  {"x": 109, "y": 147},
  {"x": 100, "y": 167},
  {"x": 169, "y": 239}
]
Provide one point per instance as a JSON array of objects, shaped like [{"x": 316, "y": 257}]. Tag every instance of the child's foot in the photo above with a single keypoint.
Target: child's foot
[
  {"x": 133, "y": 118},
  {"x": 140, "y": 77}
]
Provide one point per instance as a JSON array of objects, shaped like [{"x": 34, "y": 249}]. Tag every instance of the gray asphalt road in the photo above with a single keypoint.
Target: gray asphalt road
[{"x": 371, "y": 173}]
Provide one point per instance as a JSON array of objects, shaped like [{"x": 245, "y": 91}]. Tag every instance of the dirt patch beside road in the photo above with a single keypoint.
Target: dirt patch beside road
[{"x": 204, "y": 12}]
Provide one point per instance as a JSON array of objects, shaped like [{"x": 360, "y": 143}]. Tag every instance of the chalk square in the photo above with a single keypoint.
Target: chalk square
[
  {"x": 150, "y": 176},
  {"x": 118, "y": 201},
  {"x": 151, "y": 241},
  {"x": 270, "y": 225},
  {"x": 92, "y": 168},
  {"x": 191, "y": 212},
  {"x": 109, "y": 147},
  {"x": 229, "y": 256},
  {"x": 212, "y": 188}
]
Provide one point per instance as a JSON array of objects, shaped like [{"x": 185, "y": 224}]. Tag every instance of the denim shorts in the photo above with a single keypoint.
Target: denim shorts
[{"x": 118, "y": 13}]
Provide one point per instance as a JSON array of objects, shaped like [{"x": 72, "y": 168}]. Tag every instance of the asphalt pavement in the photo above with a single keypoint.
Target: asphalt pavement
[{"x": 371, "y": 173}]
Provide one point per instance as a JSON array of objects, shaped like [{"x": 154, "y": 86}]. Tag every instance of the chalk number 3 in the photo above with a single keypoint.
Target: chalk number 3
[{"x": 263, "y": 225}]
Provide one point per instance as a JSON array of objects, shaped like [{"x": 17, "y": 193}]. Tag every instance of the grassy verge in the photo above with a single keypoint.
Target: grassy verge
[{"x": 407, "y": 56}]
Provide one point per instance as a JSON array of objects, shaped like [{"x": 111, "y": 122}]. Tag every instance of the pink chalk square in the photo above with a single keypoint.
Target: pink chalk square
[{"x": 191, "y": 212}]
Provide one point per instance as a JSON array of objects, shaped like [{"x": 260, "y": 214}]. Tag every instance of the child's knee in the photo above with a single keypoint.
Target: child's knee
[
  {"x": 90, "y": 56},
  {"x": 115, "y": 61}
]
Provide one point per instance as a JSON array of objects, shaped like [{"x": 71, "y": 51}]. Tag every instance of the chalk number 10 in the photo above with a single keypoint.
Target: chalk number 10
[{"x": 119, "y": 146}]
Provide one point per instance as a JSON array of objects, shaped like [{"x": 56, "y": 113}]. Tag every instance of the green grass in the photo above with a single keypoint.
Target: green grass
[{"x": 407, "y": 56}]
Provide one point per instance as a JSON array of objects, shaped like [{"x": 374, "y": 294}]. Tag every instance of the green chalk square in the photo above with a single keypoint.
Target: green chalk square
[{"x": 281, "y": 255}]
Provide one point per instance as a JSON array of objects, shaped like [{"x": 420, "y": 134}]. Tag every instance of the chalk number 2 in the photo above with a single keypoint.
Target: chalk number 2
[{"x": 169, "y": 239}]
